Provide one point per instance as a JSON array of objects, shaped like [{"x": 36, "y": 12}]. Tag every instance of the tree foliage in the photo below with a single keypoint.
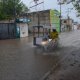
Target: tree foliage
[
  {"x": 10, "y": 8},
  {"x": 76, "y": 4}
]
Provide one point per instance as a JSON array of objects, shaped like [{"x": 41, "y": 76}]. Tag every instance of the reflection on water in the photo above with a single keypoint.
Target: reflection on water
[{"x": 19, "y": 60}]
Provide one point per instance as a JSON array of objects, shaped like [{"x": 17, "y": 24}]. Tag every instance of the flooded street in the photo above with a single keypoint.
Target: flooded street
[
  {"x": 39, "y": 39},
  {"x": 20, "y": 61},
  {"x": 68, "y": 67}
]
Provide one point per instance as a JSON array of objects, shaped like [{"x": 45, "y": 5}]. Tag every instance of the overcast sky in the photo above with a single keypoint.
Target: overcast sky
[{"x": 53, "y": 4}]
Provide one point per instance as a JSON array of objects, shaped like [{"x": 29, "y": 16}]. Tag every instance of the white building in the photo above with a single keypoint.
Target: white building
[
  {"x": 67, "y": 25},
  {"x": 22, "y": 27}
]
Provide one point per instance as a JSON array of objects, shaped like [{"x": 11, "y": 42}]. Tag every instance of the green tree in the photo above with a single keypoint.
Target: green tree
[
  {"x": 77, "y": 6},
  {"x": 11, "y": 8}
]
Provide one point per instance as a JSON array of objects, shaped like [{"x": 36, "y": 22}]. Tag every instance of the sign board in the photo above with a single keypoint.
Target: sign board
[
  {"x": 23, "y": 20},
  {"x": 54, "y": 16},
  {"x": 55, "y": 20}
]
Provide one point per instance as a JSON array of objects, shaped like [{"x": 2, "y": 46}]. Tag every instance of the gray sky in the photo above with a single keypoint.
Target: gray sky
[{"x": 53, "y": 4}]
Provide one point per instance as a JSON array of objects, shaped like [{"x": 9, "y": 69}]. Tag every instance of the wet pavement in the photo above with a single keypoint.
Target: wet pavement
[
  {"x": 20, "y": 60},
  {"x": 68, "y": 67}
]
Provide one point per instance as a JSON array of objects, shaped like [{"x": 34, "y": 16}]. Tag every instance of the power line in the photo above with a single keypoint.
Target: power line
[{"x": 36, "y": 5}]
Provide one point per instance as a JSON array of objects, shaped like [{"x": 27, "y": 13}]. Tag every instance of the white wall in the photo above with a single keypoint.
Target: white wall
[
  {"x": 75, "y": 27},
  {"x": 23, "y": 30}
]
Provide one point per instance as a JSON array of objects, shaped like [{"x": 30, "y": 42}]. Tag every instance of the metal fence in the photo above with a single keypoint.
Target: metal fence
[{"x": 7, "y": 31}]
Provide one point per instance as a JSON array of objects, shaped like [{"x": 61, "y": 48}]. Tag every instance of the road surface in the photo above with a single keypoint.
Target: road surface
[{"x": 20, "y": 61}]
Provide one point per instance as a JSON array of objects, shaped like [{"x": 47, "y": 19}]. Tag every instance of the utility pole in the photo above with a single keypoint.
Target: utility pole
[
  {"x": 68, "y": 18},
  {"x": 60, "y": 17},
  {"x": 37, "y": 13},
  {"x": 60, "y": 2},
  {"x": 3, "y": 4},
  {"x": 38, "y": 17},
  {"x": 14, "y": 13}
]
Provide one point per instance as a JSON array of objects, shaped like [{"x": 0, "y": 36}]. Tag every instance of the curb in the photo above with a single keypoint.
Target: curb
[
  {"x": 53, "y": 68},
  {"x": 49, "y": 72}
]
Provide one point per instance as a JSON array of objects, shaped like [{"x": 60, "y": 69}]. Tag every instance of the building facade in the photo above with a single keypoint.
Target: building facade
[
  {"x": 12, "y": 30},
  {"x": 66, "y": 25},
  {"x": 49, "y": 19}
]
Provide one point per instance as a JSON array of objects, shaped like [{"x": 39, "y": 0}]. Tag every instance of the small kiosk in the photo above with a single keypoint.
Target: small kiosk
[{"x": 22, "y": 27}]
